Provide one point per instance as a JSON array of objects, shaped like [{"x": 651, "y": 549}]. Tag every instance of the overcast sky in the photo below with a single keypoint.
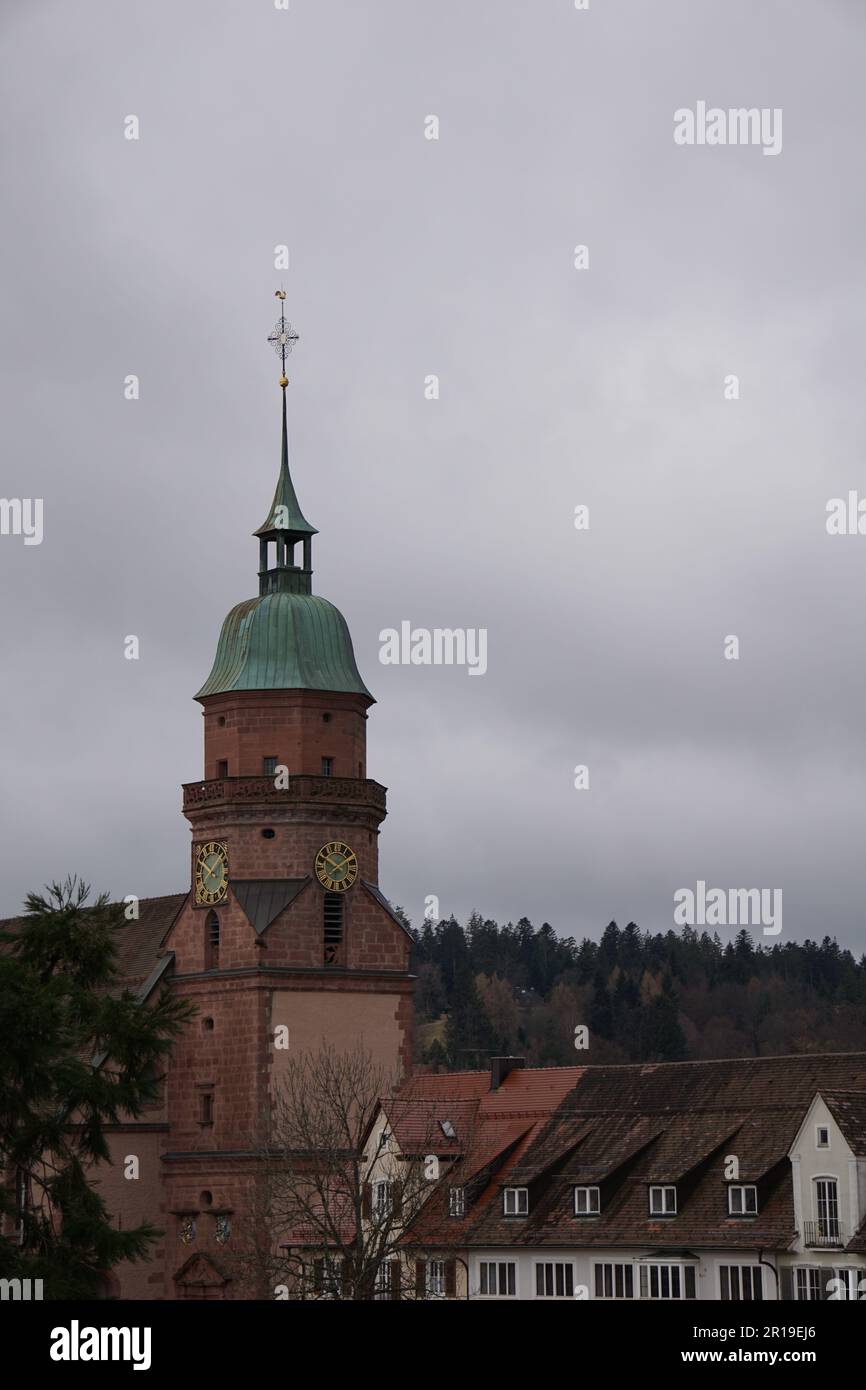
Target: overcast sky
[{"x": 558, "y": 387}]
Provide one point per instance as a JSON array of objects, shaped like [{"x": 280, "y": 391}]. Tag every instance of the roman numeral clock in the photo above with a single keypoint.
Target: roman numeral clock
[
  {"x": 336, "y": 867},
  {"x": 211, "y": 875}
]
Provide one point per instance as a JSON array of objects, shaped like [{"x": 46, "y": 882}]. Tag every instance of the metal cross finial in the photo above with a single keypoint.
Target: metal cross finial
[{"x": 283, "y": 337}]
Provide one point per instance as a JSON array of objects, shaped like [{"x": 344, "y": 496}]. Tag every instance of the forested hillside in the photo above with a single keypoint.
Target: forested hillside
[{"x": 484, "y": 988}]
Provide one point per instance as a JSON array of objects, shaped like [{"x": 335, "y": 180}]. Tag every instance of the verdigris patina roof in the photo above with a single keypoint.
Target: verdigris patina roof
[
  {"x": 285, "y": 641},
  {"x": 285, "y": 516},
  {"x": 288, "y": 638}
]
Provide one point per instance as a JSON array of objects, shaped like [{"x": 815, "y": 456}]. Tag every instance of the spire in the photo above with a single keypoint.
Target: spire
[{"x": 285, "y": 525}]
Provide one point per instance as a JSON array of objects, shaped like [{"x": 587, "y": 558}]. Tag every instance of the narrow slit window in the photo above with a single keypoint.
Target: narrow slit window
[
  {"x": 333, "y": 929},
  {"x": 212, "y": 942}
]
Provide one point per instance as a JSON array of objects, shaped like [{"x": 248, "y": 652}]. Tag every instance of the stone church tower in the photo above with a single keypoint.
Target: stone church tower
[{"x": 285, "y": 940}]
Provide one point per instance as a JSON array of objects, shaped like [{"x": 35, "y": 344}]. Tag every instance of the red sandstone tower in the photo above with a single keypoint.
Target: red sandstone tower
[{"x": 285, "y": 932}]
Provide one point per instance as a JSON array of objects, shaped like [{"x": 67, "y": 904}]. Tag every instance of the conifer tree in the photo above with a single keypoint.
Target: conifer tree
[
  {"x": 78, "y": 1054},
  {"x": 469, "y": 1035}
]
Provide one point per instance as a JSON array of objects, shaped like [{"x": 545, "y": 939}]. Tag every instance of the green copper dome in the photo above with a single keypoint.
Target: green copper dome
[
  {"x": 285, "y": 641},
  {"x": 287, "y": 638}
]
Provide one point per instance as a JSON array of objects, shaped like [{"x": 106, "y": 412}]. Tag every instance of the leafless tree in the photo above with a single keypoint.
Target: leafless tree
[{"x": 338, "y": 1189}]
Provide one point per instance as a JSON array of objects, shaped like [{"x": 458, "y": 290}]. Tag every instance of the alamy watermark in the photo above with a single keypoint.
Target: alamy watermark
[
  {"x": 77, "y": 1343},
  {"x": 846, "y": 516},
  {"x": 438, "y": 646},
  {"x": 739, "y": 125},
  {"x": 22, "y": 516},
  {"x": 729, "y": 907},
  {"x": 20, "y": 1290}
]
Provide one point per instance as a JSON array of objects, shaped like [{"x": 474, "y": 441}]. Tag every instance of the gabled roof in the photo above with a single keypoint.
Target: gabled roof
[
  {"x": 384, "y": 903},
  {"x": 609, "y": 1144},
  {"x": 500, "y": 1141},
  {"x": 686, "y": 1142},
  {"x": 138, "y": 942},
  {"x": 262, "y": 900},
  {"x": 556, "y": 1141},
  {"x": 848, "y": 1109},
  {"x": 524, "y": 1091},
  {"x": 417, "y": 1125}
]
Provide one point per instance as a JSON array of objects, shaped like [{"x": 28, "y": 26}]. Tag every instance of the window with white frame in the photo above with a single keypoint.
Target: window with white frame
[
  {"x": 741, "y": 1282},
  {"x": 456, "y": 1201},
  {"x": 497, "y": 1278},
  {"x": 613, "y": 1280},
  {"x": 663, "y": 1201},
  {"x": 586, "y": 1201},
  {"x": 434, "y": 1281},
  {"x": 742, "y": 1199},
  {"x": 847, "y": 1285},
  {"x": 822, "y": 1137},
  {"x": 381, "y": 1199},
  {"x": 827, "y": 1208},
  {"x": 554, "y": 1279},
  {"x": 387, "y": 1280},
  {"x": 515, "y": 1201},
  {"x": 667, "y": 1281},
  {"x": 326, "y": 1277},
  {"x": 807, "y": 1283}
]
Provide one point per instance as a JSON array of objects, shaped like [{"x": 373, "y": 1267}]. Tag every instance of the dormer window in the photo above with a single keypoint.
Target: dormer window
[
  {"x": 456, "y": 1201},
  {"x": 742, "y": 1199},
  {"x": 586, "y": 1201},
  {"x": 516, "y": 1201},
  {"x": 327, "y": 767},
  {"x": 663, "y": 1201},
  {"x": 270, "y": 767},
  {"x": 822, "y": 1137}
]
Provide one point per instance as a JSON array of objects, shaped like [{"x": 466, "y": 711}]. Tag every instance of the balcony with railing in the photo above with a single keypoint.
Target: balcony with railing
[
  {"x": 345, "y": 791},
  {"x": 824, "y": 1234}
]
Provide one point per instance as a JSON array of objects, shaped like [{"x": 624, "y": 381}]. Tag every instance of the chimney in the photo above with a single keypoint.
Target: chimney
[{"x": 500, "y": 1067}]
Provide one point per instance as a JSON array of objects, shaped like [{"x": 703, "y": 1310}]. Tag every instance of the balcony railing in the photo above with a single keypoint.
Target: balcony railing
[
  {"x": 353, "y": 791},
  {"x": 825, "y": 1234}
]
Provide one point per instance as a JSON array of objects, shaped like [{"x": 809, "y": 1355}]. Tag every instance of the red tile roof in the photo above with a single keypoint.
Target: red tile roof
[
  {"x": 138, "y": 942},
  {"x": 622, "y": 1128},
  {"x": 848, "y": 1109}
]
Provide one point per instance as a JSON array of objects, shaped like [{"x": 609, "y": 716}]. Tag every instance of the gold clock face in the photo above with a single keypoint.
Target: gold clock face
[
  {"x": 211, "y": 873},
  {"x": 336, "y": 867}
]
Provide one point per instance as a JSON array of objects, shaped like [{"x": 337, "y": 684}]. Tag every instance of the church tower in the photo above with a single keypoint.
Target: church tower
[{"x": 285, "y": 941}]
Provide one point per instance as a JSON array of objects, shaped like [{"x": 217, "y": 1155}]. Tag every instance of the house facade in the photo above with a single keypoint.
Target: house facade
[{"x": 736, "y": 1180}]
